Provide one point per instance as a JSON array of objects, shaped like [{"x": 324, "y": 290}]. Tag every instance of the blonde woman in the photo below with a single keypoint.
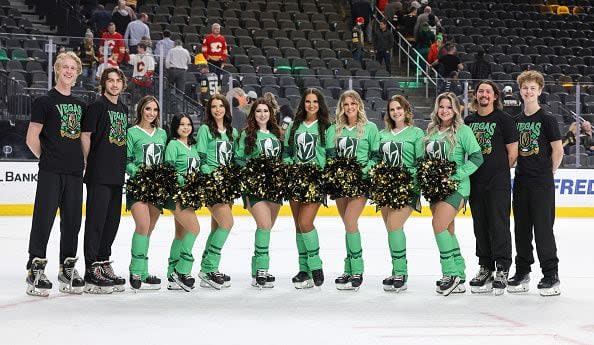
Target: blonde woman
[
  {"x": 449, "y": 138},
  {"x": 352, "y": 136}
]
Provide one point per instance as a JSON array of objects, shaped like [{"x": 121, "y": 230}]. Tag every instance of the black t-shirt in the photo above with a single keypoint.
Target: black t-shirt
[
  {"x": 534, "y": 145},
  {"x": 108, "y": 123},
  {"x": 61, "y": 118},
  {"x": 449, "y": 63},
  {"x": 492, "y": 132}
]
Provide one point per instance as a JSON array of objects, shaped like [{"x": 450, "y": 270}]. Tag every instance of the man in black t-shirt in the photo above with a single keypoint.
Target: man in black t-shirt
[
  {"x": 54, "y": 137},
  {"x": 490, "y": 188},
  {"x": 540, "y": 154},
  {"x": 104, "y": 149},
  {"x": 449, "y": 62}
]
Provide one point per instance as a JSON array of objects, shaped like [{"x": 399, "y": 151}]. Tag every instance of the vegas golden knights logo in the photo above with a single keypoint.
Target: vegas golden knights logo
[
  {"x": 347, "y": 147},
  {"x": 306, "y": 146},
  {"x": 436, "y": 149},
  {"x": 392, "y": 153},
  {"x": 270, "y": 147},
  {"x": 528, "y": 146},
  {"x": 152, "y": 153},
  {"x": 224, "y": 152},
  {"x": 192, "y": 165}
]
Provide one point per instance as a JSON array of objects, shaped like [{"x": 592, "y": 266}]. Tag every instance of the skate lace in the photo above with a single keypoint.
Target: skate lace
[
  {"x": 398, "y": 277},
  {"x": 446, "y": 279},
  {"x": 501, "y": 276},
  {"x": 345, "y": 276},
  {"x": 261, "y": 273},
  {"x": 39, "y": 274},
  {"x": 482, "y": 274},
  {"x": 107, "y": 270}
]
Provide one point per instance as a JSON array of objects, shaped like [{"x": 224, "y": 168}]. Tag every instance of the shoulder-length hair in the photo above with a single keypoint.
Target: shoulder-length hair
[
  {"x": 252, "y": 127},
  {"x": 323, "y": 115},
  {"x": 142, "y": 103},
  {"x": 341, "y": 119},
  {"x": 408, "y": 115},
  {"x": 174, "y": 126},
  {"x": 210, "y": 121},
  {"x": 498, "y": 104},
  {"x": 435, "y": 122}
]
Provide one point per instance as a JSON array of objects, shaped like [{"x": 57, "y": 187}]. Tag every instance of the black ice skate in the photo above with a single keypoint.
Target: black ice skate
[
  {"x": 459, "y": 289},
  {"x": 70, "y": 281},
  {"x": 149, "y": 283},
  {"x": 118, "y": 282},
  {"x": 171, "y": 284},
  {"x": 318, "y": 277},
  {"x": 96, "y": 282},
  {"x": 448, "y": 284},
  {"x": 396, "y": 283},
  {"x": 302, "y": 281},
  {"x": 226, "y": 279},
  {"x": 482, "y": 282},
  {"x": 500, "y": 281},
  {"x": 212, "y": 279},
  {"x": 520, "y": 282},
  {"x": 184, "y": 281},
  {"x": 263, "y": 279},
  {"x": 37, "y": 282},
  {"x": 549, "y": 285},
  {"x": 343, "y": 282}
]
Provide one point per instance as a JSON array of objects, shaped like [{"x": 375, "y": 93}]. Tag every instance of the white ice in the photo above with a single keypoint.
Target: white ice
[{"x": 246, "y": 315}]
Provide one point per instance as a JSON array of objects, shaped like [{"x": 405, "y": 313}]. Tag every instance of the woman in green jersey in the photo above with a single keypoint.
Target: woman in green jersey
[
  {"x": 146, "y": 146},
  {"x": 449, "y": 138},
  {"x": 304, "y": 143},
  {"x": 215, "y": 141},
  {"x": 401, "y": 144},
  {"x": 352, "y": 136},
  {"x": 182, "y": 153},
  {"x": 262, "y": 136}
]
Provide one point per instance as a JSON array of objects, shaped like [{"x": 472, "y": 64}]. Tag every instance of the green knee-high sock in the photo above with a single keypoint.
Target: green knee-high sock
[
  {"x": 173, "y": 255},
  {"x": 186, "y": 259},
  {"x": 458, "y": 258},
  {"x": 312, "y": 244},
  {"x": 302, "y": 253},
  {"x": 397, "y": 244},
  {"x": 446, "y": 253},
  {"x": 347, "y": 260},
  {"x": 355, "y": 252},
  {"x": 207, "y": 243},
  {"x": 139, "y": 264},
  {"x": 261, "y": 259},
  {"x": 212, "y": 257}
]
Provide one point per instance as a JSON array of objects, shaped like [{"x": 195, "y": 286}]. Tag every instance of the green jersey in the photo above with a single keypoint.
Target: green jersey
[
  {"x": 214, "y": 151},
  {"x": 266, "y": 143},
  {"x": 306, "y": 147},
  {"x": 402, "y": 149},
  {"x": 144, "y": 148},
  {"x": 349, "y": 144},
  {"x": 185, "y": 158},
  {"x": 467, "y": 155}
]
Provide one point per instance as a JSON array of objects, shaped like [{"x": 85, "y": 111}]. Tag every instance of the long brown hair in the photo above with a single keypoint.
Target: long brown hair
[
  {"x": 408, "y": 115},
  {"x": 301, "y": 114},
  {"x": 498, "y": 104},
  {"x": 210, "y": 121},
  {"x": 140, "y": 109},
  {"x": 252, "y": 126},
  {"x": 105, "y": 75}
]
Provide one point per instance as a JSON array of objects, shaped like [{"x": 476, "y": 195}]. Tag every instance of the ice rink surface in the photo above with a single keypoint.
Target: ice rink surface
[{"x": 283, "y": 315}]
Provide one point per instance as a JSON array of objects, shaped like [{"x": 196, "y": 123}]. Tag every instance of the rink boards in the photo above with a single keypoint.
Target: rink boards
[{"x": 574, "y": 193}]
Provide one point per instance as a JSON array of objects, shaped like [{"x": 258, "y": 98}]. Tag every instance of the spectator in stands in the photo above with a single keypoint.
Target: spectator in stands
[
  {"x": 214, "y": 49},
  {"x": 423, "y": 40},
  {"x": 114, "y": 42},
  {"x": 409, "y": 20},
  {"x": 100, "y": 19},
  {"x": 88, "y": 58},
  {"x": 383, "y": 44},
  {"x": 423, "y": 4},
  {"x": 176, "y": 63},
  {"x": 569, "y": 139},
  {"x": 449, "y": 62},
  {"x": 361, "y": 8},
  {"x": 452, "y": 84},
  {"x": 357, "y": 40},
  {"x": 586, "y": 138},
  {"x": 135, "y": 31},
  {"x": 148, "y": 43},
  {"x": 381, "y": 4},
  {"x": 208, "y": 82},
  {"x": 511, "y": 104},
  {"x": 166, "y": 44},
  {"x": 112, "y": 61},
  {"x": 142, "y": 75},
  {"x": 424, "y": 18},
  {"x": 122, "y": 15},
  {"x": 480, "y": 69},
  {"x": 393, "y": 11},
  {"x": 435, "y": 48},
  {"x": 239, "y": 102}
]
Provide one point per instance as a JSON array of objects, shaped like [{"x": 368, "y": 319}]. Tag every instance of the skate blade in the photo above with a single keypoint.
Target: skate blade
[
  {"x": 150, "y": 287},
  {"x": 518, "y": 289},
  {"x": 173, "y": 286},
  {"x": 308, "y": 284},
  {"x": 389, "y": 288},
  {"x": 487, "y": 288},
  {"x": 73, "y": 290},
  {"x": 554, "y": 291},
  {"x": 400, "y": 289},
  {"x": 205, "y": 282},
  {"x": 98, "y": 290},
  {"x": 32, "y": 291},
  {"x": 119, "y": 288},
  {"x": 179, "y": 283},
  {"x": 498, "y": 292},
  {"x": 447, "y": 292}
]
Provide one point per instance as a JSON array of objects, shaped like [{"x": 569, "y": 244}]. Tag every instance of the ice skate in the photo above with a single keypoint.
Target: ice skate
[
  {"x": 184, "y": 281},
  {"x": 149, "y": 283},
  {"x": 118, "y": 282},
  {"x": 226, "y": 279},
  {"x": 263, "y": 279},
  {"x": 461, "y": 288},
  {"x": 395, "y": 283},
  {"x": 549, "y": 286},
  {"x": 520, "y": 282},
  {"x": 448, "y": 284},
  {"x": 171, "y": 284},
  {"x": 343, "y": 282},
  {"x": 318, "y": 277},
  {"x": 70, "y": 281},
  {"x": 212, "y": 279},
  {"x": 302, "y": 281},
  {"x": 96, "y": 282},
  {"x": 500, "y": 281},
  {"x": 482, "y": 282},
  {"x": 37, "y": 282}
]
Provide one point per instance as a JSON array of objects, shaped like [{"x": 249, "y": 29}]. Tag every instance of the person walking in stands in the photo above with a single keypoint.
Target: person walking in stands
[
  {"x": 166, "y": 44},
  {"x": 135, "y": 31},
  {"x": 540, "y": 154},
  {"x": 177, "y": 62},
  {"x": 122, "y": 15},
  {"x": 214, "y": 49},
  {"x": 383, "y": 44},
  {"x": 104, "y": 145},
  {"x": 54, "y": 137},
  {"x": 490, "y": 188}
]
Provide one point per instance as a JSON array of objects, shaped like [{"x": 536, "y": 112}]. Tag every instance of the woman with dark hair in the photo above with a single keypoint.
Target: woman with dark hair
[
  {"x": 449, "y": 138},
  {"x": 146, "y": 146},
  {"x": 352, "y": 136},
  {"x": 306, "y": 144},
  {"x": 181, "y": 152},
  {"x": 215, "y": 141},
  {"x": 401, "y": 144},
  {"x": 261, "y": 137}
]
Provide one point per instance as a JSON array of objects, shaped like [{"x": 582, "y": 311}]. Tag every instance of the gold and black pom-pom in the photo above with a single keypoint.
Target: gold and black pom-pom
[
  {"x": 391, "y": 186},
  {"x": 223, "y": 185},
  {"x": 192, "y": 194},
  {"x": 343, "y": 177},
  {"x": 155, "y": 184},
  {"x": 434, "y": 176},
  {"x": 263, "y": 178},
  {"x": 304, "y": 183}
]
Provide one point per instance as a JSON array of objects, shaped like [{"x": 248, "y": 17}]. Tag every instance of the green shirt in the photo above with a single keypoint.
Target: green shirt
[
  {"x": 144, "y": 148},
  {"x": 466, "y": 154},
  {"x": 402, "y": 149},
  {"x": 349, "y": 144},
  {"x": 306, "y": 147},
  {"x": 214, "y": 151},
  {"x": 266, "y": 143},
  {"x": 184, "y": 158}
]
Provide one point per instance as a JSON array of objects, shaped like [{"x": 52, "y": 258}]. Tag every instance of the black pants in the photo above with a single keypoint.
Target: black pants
[
  {"x": 104, "y": 205},
  {"x": 384, "y": 56},
  {"x": 534, "y": 208},
  {"x": 56, "y": 191},
  {"x": 490, "y": 217}
]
